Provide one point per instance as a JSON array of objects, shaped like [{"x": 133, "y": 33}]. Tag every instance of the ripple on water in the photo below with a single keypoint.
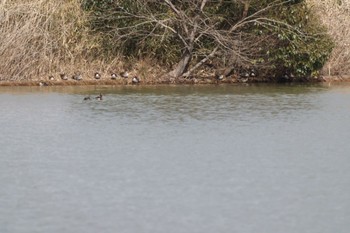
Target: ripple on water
[{"x": 175, "y": 159}]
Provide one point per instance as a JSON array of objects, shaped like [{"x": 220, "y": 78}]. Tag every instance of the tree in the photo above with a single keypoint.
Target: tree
[{"x": 187, "y": 34}]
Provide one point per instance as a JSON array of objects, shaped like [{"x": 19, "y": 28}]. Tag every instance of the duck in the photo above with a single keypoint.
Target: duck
[
  {"x": 219, "y": 77},
  {"x": 97, "y": 75},
  {"x": 286, "y": 77},
  {"x": 77, "y": 77},
  {"x": 99, "y": 97},
  {"x": 43, "y": 84},
  {"x": 87, "y": 98},
  {"x": 253, "y": 73},
  {"x": 244, "y": 74},
  {"x": 124, "y": 74},
  {"x": 114, "y": 76},
  {"x": 51, "y": 78},
  {"x": 63, "y": 76},
  {"x": 135, "y": 80}
]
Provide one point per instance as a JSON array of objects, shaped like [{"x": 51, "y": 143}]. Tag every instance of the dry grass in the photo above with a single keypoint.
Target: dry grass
[
  {"x": 335, "y": 15},
  {"x": 40, "y": 37}
]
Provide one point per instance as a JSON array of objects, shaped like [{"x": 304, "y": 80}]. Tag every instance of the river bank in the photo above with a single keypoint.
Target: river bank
[{"x": 156, "y": 81}]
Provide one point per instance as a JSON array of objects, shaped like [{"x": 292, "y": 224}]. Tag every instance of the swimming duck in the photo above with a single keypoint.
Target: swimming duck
[
  {"x": 113, "y": 76},
  {"x": 97, "y": 75},
  {"x": 63, "y": 76},
  {"x": 99, "y": 97},
  {"x": 135, "y": 80},
  {"x": 87, "y": 98},
  {"x": 124, "y": 74}
]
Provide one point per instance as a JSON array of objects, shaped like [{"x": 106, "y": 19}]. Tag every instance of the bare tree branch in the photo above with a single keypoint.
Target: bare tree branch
[
  {"x": 203, "y": 4},
  {"x": 200, "y": 32},
  {"x": 201, "y": 62}
]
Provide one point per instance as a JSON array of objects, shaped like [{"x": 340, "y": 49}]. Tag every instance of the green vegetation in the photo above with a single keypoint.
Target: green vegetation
[
  {"x": 182, "y": 33},
  {"x": 275, "y": 37},
  {"x": 300, "y": 46}
]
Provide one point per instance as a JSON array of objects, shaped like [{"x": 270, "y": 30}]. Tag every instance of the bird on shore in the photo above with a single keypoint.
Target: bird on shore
[
  {"x": 135, "y": 80},
  {"x": 243, "y": 76},
  {"x": 253, "y": 73},
  {"x": 219, "y": 77},
  {"x": 43, "y": 84},
  {"x": 87, "y": 98},
  {"x": 97, "y": 75},
  {"x": 99, "y": 97},
  {"x": 77, "y": 77},
  {"x": 63, "y": 76},
  {"x": 114, "y": 76},
  {"x": 124, "y": 74},
  {"x": 51, "y": 78},
  {"x": 286, "y": 77}
]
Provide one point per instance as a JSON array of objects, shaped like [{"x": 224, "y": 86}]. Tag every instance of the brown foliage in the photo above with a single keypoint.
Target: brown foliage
[
  {"x": 40, "y": 37},
  {"x": 335, "y": 15}
]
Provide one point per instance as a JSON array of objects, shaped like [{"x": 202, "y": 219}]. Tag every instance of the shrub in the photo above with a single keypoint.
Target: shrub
[{"x": 239, "y": 32}]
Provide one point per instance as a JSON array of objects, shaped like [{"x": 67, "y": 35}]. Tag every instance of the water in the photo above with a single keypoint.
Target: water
[{"x": 204, "y": 159}]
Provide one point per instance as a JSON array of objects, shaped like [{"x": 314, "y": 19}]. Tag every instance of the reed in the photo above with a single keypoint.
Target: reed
[
  {"x": 335, "y": 15},
  {"x": 43, "y": 37}
]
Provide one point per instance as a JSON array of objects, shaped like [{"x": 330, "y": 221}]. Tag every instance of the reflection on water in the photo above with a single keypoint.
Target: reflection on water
[{"x": 175, "y": 159}]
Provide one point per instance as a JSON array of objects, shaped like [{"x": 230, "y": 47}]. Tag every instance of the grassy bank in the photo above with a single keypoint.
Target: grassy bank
[
  {"x": 105, "y": 80},
  {"x": 42, "y": 38}
]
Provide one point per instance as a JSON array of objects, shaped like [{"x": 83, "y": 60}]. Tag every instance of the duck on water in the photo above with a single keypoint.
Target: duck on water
[{"x": 99, "y": 97}]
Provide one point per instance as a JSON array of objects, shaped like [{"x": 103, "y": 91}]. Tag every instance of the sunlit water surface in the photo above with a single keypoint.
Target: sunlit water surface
[{"x": 223, "y": 159}]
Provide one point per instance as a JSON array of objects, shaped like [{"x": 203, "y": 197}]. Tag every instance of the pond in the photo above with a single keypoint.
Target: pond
[{"x": 175, "y": 159}]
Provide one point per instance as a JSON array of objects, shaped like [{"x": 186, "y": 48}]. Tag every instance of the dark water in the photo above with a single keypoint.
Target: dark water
[{"x": 223, "y": 159}]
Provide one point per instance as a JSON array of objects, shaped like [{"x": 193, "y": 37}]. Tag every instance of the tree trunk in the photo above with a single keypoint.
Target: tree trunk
[
  {"x": 186, "y": 58},
  {"x": 201, "y": 62},
  {"x": 182, "y": 66}
]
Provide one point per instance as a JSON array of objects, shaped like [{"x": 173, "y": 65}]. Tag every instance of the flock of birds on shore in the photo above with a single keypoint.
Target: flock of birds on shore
[
  {"x": 97, "y": 76},
  {"x": 243, "y": 77}
]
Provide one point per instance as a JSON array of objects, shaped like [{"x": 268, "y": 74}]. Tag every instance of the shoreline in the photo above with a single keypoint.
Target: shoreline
[{"x": 178, "y": 81}]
